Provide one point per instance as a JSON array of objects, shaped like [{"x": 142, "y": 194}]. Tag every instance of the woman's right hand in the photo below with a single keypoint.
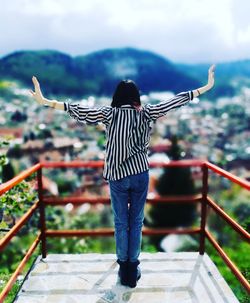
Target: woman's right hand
[
  {"x": 210, "y": 82},
  {"x": 37, "y": 94},
  {"x": 208, "y": 86}
]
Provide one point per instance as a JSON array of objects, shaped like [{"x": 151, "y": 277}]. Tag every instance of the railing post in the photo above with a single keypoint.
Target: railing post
[
  {"x": 203, "y": 208},
  {"x": 42, "y": 213}
]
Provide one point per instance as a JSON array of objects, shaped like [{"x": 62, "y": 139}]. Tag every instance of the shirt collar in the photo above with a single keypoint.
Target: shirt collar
[{"x": 127, "y": 106}]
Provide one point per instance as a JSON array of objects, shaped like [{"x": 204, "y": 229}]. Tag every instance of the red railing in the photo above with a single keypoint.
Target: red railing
[
  {"x": 202, "y": 198},
  {"x": 13, "y": 231}
]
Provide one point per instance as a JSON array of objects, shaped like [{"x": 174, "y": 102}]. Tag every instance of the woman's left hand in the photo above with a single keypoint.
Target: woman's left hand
[{"x": 37, "y": 94}]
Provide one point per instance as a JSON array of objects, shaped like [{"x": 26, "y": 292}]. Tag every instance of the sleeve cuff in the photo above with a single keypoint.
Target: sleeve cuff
[
  {"x": 66, "y": 106},
  {"x": 191, "y": 95}
]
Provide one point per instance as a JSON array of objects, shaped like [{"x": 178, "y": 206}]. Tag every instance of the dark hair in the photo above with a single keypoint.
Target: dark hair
[{"x": 126, "y": 93}]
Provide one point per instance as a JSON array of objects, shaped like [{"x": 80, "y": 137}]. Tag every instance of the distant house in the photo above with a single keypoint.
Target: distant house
[
  {"x": 14, "y": 132},
  {"x": 49, "y": 186}
]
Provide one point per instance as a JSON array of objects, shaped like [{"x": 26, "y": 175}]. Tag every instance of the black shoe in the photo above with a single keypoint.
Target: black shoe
[
  {"x": 134, "y": 273},
  {"x": 123, "y": 272}
]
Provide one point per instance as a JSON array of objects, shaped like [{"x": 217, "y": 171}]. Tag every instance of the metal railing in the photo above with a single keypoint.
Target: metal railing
[{"x": 202, "y": 198}]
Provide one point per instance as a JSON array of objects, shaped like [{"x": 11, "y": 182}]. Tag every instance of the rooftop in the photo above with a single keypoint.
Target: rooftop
[{"x": 182, "y": 277}]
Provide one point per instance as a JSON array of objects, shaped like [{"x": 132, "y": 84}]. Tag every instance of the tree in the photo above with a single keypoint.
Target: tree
[{"x": 174, "y": 181}]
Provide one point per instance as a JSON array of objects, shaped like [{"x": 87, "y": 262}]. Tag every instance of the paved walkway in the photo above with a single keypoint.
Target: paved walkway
[{"x": 182, "y": 277}]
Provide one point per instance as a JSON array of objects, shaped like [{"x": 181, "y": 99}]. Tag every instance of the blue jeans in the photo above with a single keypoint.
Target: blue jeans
[{"x": 128, "y": 197}]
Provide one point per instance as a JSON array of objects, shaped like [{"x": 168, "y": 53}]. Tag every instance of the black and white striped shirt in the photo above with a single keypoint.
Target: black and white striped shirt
[{"x": 127, "y": 132}]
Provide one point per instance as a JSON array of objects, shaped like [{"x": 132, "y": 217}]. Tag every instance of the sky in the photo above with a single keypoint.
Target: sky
[{"x": 183, "y": 31}]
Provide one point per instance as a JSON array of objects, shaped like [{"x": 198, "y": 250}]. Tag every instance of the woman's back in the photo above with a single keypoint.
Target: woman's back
[{"x": 128, "y": 135}]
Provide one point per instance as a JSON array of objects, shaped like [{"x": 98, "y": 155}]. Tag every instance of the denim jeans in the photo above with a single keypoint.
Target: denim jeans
[{"x": 128, "y": 197}]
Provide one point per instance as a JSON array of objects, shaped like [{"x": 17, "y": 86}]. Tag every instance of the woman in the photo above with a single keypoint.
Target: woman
[{"x": 126, "y": 163}]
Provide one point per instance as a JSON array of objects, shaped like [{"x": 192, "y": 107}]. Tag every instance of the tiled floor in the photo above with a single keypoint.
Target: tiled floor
[{"x": 182, "y": 277}]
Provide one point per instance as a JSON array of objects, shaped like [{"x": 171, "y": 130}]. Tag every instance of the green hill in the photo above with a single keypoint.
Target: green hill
[
  {"x": 96, "y": 73},
  {"x": 99, "y": 72}
]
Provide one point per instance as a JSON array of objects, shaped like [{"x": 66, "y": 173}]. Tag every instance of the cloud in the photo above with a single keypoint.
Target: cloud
[
  {"x": 181, "y": 30},
  {"x": 123, "y": 68}
]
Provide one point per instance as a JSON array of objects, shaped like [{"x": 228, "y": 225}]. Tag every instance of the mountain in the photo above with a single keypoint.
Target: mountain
[
  {"x": 99, "y": 72},
  {"x": 56, "y": 70},
  {"x": 96, "y": 73},
  {"x": 150, "y": 71}
]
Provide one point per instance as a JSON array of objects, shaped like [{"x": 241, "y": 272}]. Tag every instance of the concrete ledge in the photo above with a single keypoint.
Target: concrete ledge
[{"x": 181, "y": 277}]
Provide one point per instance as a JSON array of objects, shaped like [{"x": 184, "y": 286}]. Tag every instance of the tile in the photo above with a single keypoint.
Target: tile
[{"x": 161, "y": 297}]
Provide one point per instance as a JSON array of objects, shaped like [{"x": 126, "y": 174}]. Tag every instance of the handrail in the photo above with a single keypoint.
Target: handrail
[
  {"x": 229, "y": 176},
  {"x": 109, "y": 231},
  {"x": 100, "y": 163},
  {"x": 12, "y": 232},
  {"x": 178, "y": 163},
  {"x": 62, "y": 164},
  {"x": 19, "y": 269},
  {"x": 19, "y": 178},
  {"x": 203, "y": 208},
  {"x": 204, "y": 199},
  {"x": 229, "y": 263},
  {"x": 243, "y": 233},
  {"x": 101, "y": 200}
]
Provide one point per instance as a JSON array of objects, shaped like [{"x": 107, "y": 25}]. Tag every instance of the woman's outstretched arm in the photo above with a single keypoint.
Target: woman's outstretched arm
[
  {"x": 38, "y": 96},
  {"x": 82, "y": 114},
  {"x": 155, "y": 111},
  {"x": 208, "y": 86}
]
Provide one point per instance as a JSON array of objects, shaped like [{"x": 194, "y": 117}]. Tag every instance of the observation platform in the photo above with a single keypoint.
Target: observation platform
[
  {"x": 182, "y": 277},
  {"x": 178, "y": 277}
]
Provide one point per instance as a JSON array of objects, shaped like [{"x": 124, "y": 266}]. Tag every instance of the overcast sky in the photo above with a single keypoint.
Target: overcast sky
[{"x": 190, "y": 31}]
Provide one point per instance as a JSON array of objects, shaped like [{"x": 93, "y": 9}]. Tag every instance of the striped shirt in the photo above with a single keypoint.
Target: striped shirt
[{"x": 127, "y": 132}]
